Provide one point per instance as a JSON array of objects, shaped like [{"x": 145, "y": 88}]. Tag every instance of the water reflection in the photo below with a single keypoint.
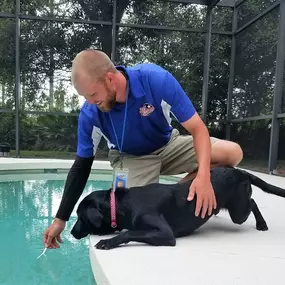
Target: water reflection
[{"x": 27, "y": 207}]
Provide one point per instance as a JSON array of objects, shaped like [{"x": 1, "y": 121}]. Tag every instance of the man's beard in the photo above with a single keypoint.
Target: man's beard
[{"x": 109, "y": 104}]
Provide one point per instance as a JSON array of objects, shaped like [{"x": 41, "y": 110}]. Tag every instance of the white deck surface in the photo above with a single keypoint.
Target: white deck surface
[
  {"x": 220, "y": 253},
  {"x": 9, "y": 163}
]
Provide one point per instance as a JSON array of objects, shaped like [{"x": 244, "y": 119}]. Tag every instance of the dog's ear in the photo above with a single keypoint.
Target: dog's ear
[{"x": 94, "y": 217}]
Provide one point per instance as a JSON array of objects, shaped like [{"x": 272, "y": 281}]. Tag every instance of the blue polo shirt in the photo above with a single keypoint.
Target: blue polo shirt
[{"x": 153, "y": 94}]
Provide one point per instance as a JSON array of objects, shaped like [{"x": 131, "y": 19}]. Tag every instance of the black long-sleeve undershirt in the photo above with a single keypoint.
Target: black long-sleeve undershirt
[{"x": 76, "y": 180}]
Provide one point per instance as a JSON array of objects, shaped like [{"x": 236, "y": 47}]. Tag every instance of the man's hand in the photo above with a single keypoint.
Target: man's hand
[
  {"x": 206, "y": 199},
  {"x": 52, "y": 234},
  {"x": 201, "y": 185}
]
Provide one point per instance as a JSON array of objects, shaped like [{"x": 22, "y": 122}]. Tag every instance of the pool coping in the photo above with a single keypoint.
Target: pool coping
[{"x": 9, "y": 163}]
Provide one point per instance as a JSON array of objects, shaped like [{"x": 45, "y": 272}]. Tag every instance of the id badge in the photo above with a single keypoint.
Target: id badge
[{"x": 120, "y": 178}]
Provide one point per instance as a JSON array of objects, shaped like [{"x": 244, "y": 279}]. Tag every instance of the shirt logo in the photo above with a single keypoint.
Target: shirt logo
[{"x": 146, "y": 109}]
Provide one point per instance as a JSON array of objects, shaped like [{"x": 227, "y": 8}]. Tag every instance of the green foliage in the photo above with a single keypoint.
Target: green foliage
[
  {"x": 253, "y": 137},
  {"x": 167, "y": 49},
  {"x": 219, "y": 77},
  {"x": 7, "y": 61},
  {"x": 255, "y": 67},
  {"x": 7, "y": 6},
  {"x": 45, "y": 132},
  {"x": 47, "y": 49},
  {"x": 163, "y": 13},
  {"x": 7, "y": 129},
  {"x": 251, "y": 8}
]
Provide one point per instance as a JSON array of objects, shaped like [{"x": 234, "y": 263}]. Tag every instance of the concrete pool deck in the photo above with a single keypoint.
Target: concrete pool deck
[
  {"x": 8, "y": 163},
  {"x": 219, "y": 253}
]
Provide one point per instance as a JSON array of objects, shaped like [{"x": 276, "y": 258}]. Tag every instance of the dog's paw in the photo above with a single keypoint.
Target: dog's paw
[
  {"x": 104, "y": 244},
  {"x": 261, "y": 226}
]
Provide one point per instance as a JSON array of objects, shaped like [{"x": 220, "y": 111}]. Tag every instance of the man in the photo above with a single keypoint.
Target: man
[{"x": 131, "y": 108}]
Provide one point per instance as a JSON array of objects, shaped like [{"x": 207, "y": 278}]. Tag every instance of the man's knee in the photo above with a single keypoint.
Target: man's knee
[
  {"x": 226, "y": 153},
  {"x": 237, "y": 153}
]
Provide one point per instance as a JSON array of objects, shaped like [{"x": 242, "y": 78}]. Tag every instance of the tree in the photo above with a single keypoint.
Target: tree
[{"x": 47, "y": 50}]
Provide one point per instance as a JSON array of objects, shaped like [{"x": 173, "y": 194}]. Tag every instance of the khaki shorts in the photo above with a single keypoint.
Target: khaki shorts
[{"x": 176, "y": 157}]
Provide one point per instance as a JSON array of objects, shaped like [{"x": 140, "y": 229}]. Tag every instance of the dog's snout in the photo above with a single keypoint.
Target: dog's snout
[{"x": 79, "y": 230}]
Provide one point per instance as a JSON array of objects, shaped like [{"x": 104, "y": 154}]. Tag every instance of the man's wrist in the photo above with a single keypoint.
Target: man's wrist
[
  {"x": 203, "y": 172},
  {"x": 59, "y": 221}
]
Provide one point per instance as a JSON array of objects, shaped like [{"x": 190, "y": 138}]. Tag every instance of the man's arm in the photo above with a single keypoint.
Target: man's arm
[
  {"x": 75, "y": 183},
  {"x": 76, "y": 179},
  {"x": 164, "y": 84},
  {"x": 201, "y": 185},
  {"x": 88, "y": 141},
  {"x": 202, "y": 144},
  {"x": 74, "y": 186}
]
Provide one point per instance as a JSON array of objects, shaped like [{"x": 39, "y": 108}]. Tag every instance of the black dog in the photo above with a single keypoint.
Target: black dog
[{"x": 156, "y": 213}]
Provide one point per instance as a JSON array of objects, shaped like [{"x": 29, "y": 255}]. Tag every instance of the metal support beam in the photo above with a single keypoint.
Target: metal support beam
[
  {"x": 207, "y": 55},
  {"x": 106, "y": 23},
  {"x": 281, "y": 115},
  {"x": 198, "y": 2},
  {"x": 221, "y": 33},
  {"x": 44, "y": 113},
  {"x": 265, "y": 12},
  {"x": 7, "y": 110},
  {"x": 213, "y": 3},
  {"x": 114, "y": 31},
  {"x": 65, "y": 20},
  {"x": 6, "y": 15},
  {"x": 17, "y": 81},
  {"x": 239, "y": 2},
  {"x": 251, "y": 119},
  {"x": 222, "y": 3},
  {"x": 226, "y": 3},
  {"x": 167, "y": 28},
  {"x": 145, "y": 26},
  {"x": 277, "y": 100},
  {"x": 232, "y": 76}
]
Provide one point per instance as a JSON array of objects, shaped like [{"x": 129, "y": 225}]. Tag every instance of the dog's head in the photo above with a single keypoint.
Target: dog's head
[{"x": 94, "y": 215}]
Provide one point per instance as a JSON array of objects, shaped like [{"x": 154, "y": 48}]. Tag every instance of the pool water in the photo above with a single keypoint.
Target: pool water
[{"x": 27, "y": 208}]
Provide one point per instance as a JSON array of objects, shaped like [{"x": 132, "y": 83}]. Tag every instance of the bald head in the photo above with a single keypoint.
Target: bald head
[
  {"x": 90, "y": 65},
  {"x": 95, "y": 77}
]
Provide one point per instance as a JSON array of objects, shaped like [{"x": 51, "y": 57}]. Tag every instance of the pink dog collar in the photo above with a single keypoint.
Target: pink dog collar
[{"x": 113, "y": 209}]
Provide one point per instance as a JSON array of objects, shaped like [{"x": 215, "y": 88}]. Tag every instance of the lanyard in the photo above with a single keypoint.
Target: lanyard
[{"x": 124, "y": 125}]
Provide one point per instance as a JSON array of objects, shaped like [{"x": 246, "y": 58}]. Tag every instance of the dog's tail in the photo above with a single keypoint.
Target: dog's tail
[{"x": 266, "y": 187}]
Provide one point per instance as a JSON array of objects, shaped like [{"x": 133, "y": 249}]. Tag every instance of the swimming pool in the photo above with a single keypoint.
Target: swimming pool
[{"x": 28, "y": 204}]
